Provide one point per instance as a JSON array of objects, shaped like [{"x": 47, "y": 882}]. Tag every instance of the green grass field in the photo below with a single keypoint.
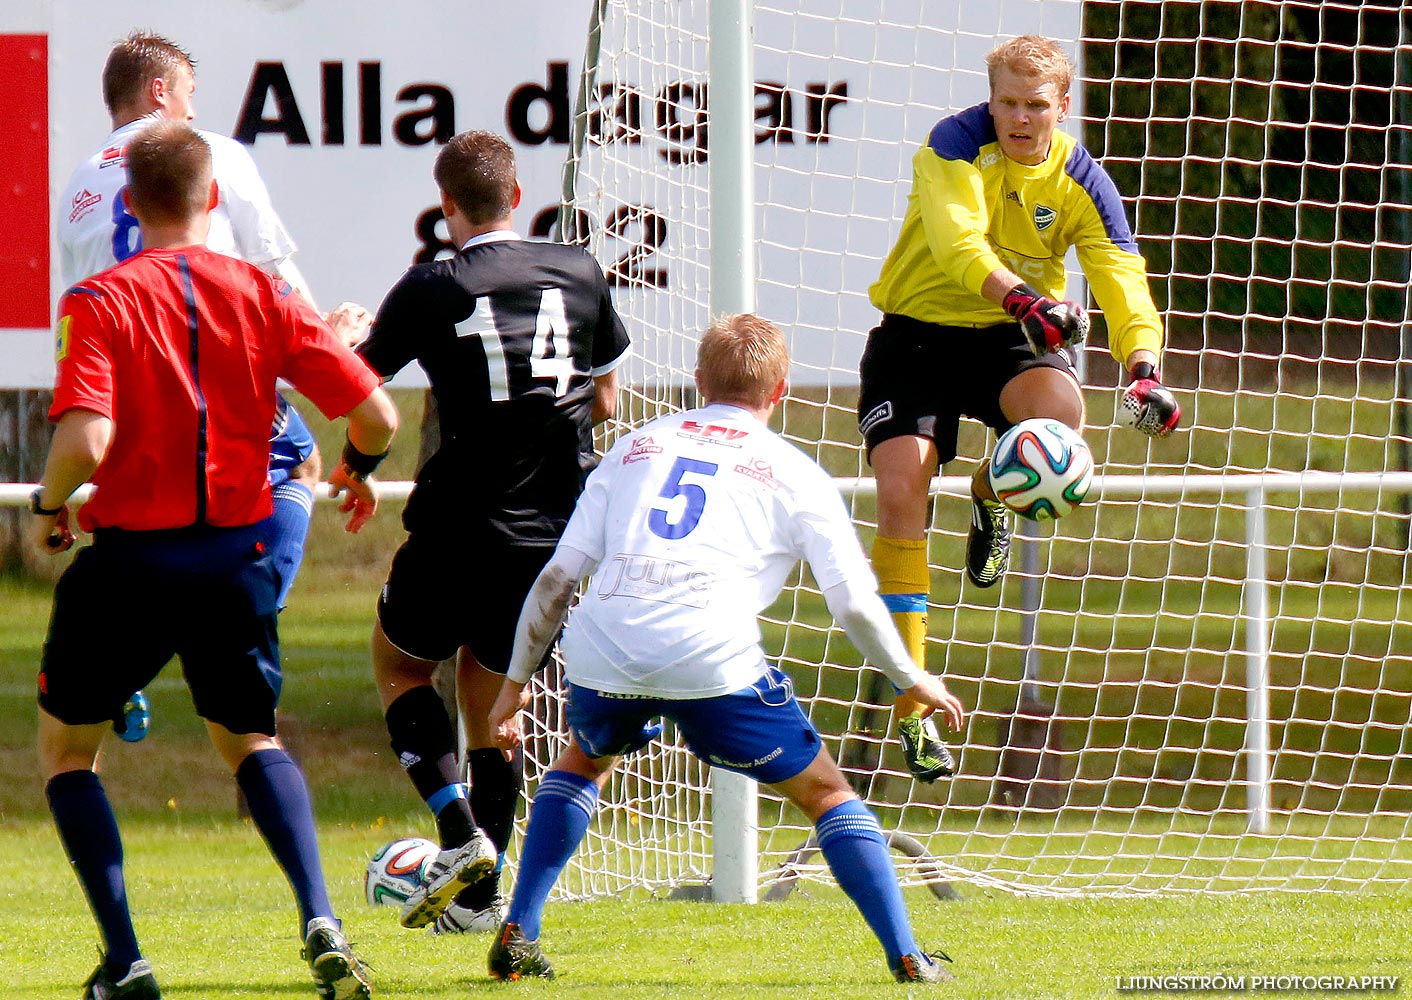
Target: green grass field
[{"x": 217, "y": 920}]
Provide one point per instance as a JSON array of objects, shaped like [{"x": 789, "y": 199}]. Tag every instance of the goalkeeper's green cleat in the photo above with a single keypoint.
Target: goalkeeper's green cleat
[
  {"x": 922, "y": 968},
  {"x": 988, "y": 544},
  {"x": 514, "y": 956},
  {"x": 927, "y": 757}
]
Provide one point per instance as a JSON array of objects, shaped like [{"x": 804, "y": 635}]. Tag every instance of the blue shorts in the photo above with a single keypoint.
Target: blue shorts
[
  {"x": 759, "y": 731},
  {"x": 291, "y": 441},
  {"x": 134, "y": 599}
]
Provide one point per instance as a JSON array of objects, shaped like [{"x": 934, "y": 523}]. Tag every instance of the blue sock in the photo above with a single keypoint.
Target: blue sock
[
  {"x": 294, "y": 506},
  {"x": 279, "y": 804},
  {"x": 854, "y": 846},
  {"x": 559, "y": 816},
  {"x": 89, "y": 832}
]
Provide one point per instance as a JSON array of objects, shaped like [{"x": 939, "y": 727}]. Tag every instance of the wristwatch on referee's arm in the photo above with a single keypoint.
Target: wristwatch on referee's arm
[{"x": 36, "y": 505}]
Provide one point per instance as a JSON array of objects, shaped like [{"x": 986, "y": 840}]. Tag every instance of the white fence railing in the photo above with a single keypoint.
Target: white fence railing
[{"x": 1254, "y": 488}]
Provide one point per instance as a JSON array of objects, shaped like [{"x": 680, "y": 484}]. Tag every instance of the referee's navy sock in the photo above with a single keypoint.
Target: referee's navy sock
[
  {"x": 294, "y": 506},
  {"x": 89, "y": 831},
  {"x": 425, "y": 745},
  {"x": 563, "y": 807},
  {"x": 279, "y": 804},
  {"x": 856, "y": 850}
]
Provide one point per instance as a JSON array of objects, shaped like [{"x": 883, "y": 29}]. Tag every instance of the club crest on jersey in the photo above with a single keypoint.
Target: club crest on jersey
[
  {"x": 760, "y": 471},
  {"x": 1044, "y": 217},
  {"x": 716, "y": 433},
  {"x": 642, "y": 447},
  {"x": 83, "y": 203}
]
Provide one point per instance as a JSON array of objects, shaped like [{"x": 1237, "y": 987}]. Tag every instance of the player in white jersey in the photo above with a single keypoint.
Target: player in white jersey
[
  {"x": 147, "y": 79},
  {"x": 689, "y": 528}
]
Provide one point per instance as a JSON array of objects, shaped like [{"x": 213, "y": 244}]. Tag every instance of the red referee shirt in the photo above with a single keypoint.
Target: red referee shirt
[{"x": 180, "y": 349}]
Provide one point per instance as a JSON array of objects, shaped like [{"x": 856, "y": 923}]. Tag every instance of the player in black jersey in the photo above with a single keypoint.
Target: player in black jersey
[{"x": 520, "y": 342}]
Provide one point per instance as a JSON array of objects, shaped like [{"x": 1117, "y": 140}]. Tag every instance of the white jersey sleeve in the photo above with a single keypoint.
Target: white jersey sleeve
[{"x": 245, "y": 224}]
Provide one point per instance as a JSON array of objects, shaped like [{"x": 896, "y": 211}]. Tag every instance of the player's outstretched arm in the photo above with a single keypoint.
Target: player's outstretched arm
[
  {"x": 545, "y": 608},
  {"x": 371, "y": 425},
  {"x": 864, "y": 618}
]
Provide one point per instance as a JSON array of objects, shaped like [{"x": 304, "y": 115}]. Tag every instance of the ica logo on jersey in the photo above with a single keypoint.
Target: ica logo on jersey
[{"x": 642, "y": 447}]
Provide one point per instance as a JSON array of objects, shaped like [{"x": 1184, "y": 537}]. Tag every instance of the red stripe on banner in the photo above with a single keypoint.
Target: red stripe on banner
[{"x": 24, "y": 194}]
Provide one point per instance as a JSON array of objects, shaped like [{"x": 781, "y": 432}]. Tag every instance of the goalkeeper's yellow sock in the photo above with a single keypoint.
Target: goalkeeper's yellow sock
[{"x": 904, "y": 582}]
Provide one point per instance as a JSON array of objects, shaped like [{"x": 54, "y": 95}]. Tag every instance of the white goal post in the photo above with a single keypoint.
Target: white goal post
[{"x": 1198, "y": 681}]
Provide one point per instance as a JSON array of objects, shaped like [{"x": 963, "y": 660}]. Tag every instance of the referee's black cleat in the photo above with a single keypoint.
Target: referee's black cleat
[
  {"x": 922, "y": 968},
  {"x": 137, "y": 983},
  {"x": 926, "y": 756},
  {"x": 988, "y": 544}
]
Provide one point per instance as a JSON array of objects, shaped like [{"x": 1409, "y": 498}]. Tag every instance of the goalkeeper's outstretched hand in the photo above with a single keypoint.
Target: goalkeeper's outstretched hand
[
  {"x": 1149, "y": 405},
  {"x": 1048, "y": 325}
]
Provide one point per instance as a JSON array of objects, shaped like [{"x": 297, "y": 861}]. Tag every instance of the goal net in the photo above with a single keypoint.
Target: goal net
[{"x": 1198, "y": 681}]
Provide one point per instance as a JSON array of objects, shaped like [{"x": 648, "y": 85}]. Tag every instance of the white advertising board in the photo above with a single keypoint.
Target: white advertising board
[{"x": 344, "y": 103}]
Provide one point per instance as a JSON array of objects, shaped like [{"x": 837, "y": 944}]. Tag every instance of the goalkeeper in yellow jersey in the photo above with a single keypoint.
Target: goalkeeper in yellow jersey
[{"x": 975, "y": 324}]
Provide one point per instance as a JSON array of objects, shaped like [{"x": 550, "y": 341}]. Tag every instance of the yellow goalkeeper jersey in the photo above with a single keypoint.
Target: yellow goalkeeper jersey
[{"x": 972, "y": 210}]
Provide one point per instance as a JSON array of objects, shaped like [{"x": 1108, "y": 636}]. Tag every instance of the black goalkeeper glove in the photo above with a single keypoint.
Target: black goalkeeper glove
[
  {"x": 1048, "y": 325},
  {"x": 1147, "y": 404}
]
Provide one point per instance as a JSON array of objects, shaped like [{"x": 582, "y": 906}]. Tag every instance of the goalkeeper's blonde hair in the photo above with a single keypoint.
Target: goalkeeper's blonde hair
[
  {"x": 742, "y": 359},
  {"x": 1032, "y": 55}
]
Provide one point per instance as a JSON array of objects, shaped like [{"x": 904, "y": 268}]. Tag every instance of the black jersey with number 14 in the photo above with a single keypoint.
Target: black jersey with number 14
[{"x": 510, "y": 333}]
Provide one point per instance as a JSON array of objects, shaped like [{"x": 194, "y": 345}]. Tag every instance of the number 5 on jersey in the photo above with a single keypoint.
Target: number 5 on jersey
[{"x": 679, "y": 484}]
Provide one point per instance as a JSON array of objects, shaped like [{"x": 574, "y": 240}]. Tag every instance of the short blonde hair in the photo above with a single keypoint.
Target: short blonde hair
[
  {"x": 742, "y": 358},
  {"x": 1032, "y": 55},
  {"x": 169, "y": 173}
]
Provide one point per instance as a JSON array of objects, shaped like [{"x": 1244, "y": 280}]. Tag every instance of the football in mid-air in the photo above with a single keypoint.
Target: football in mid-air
[
  {"x": 1041, "y": 469},
  {"x": 397, "y": 870}
]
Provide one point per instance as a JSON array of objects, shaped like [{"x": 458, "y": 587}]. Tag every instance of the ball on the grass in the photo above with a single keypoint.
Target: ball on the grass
[
  {"x": 1041, "y": 469},
  {"x": 397, "y": 870}
]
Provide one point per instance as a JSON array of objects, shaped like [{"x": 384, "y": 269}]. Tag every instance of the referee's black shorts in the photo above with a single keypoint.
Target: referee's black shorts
[
  {"x": 922, "y": 378},
  {"x": 442, "y": 594},
  {"x": 134, "y": 599}
]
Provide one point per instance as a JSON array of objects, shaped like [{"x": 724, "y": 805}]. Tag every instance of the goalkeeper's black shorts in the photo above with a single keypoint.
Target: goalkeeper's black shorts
[{"x": 922, "y": 378}]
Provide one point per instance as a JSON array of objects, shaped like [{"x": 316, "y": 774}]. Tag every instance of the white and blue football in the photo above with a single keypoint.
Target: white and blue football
[
  {"x": 397, "y": 870},
  {"x": 1041, "y": 469}
]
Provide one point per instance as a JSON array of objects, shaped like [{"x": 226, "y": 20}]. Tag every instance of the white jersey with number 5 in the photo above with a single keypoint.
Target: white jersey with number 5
[
  {"x": 96, "y": 231},
  {"x": 695, "y": 522}
]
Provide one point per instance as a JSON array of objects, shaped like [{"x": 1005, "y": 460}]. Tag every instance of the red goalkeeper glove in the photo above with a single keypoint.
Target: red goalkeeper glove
[
  {"x": 1147, "y": 404},
  {"x": 1048, "y": 325}
]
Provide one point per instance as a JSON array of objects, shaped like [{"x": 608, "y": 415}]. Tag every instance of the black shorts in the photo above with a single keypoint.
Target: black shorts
[
  {"x": 134, "y": 599},
  {"x": 922, "y": 378},
  {"x": 442, "y": 595}
]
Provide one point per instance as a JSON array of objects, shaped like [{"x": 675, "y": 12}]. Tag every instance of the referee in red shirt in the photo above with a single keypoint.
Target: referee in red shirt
[{"x": 164, "y": 394}]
